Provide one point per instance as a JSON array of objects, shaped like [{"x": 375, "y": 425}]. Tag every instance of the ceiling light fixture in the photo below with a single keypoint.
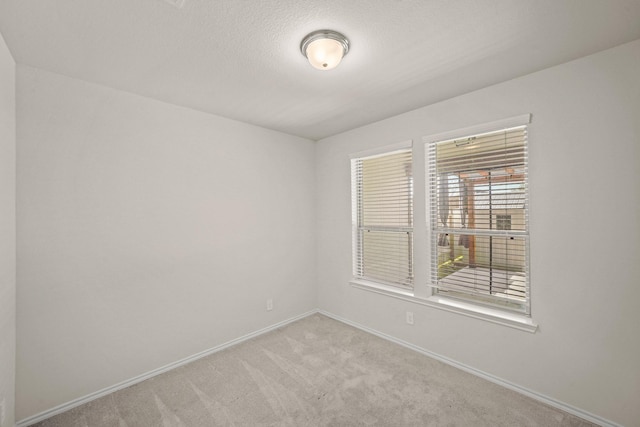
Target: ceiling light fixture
[{"x": 324, "y": 48}]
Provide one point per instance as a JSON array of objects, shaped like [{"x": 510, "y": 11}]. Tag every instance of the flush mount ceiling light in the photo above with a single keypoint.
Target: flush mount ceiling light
[{"x": 324, "y": 48}]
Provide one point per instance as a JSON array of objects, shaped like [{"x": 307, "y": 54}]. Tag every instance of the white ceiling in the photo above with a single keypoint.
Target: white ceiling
[{"x": 240, "y": 58}]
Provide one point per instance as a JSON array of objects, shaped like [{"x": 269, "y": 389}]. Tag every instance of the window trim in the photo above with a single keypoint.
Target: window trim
[
  {"x": 382, "y": 150},
  {"x": 468, "y": 306},
  {"x": 521, "y": 120},
  {"x": 487, "y": 314}
]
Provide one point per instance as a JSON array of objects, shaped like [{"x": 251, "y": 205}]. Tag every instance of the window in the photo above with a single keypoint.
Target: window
[
  {"x": 478, "y": 218},
  {"x": 382, "y": 198},
  {"x": 503, "y": 222}
]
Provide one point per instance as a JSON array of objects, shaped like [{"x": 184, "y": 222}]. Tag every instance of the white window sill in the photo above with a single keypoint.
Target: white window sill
[{"x": 512, "y": 320}]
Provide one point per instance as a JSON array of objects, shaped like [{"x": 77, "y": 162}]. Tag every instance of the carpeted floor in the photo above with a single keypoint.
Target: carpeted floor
[{"x": 315, "y": 372}]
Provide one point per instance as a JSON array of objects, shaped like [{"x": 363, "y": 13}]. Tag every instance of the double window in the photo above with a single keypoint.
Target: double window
[
  {"x": 478, "y": 218},
  {"x": 477, "y": 192},
  {"x": 382, "y": 197}
]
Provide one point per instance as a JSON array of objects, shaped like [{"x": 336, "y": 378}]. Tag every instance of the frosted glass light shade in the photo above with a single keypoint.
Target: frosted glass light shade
[
  {"x": 324, "y": 48},
  {"x": 324, "y": 54}
]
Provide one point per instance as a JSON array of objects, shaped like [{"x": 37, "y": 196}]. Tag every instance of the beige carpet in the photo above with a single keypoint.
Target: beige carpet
[{"x": 315, "y": 372}]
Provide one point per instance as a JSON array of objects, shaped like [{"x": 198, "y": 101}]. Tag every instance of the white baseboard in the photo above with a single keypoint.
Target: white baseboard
[
  {"x": 530, "y": 393},
  {"x": 124, "y": 384},
  {"x": 511, "y": 386}
]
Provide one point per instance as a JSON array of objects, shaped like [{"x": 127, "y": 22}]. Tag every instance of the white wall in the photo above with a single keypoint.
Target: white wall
[
  {"x": 585, "y": 199},
  {"x": 147, "y": 233},
  {"x": 7, "y": 234}
]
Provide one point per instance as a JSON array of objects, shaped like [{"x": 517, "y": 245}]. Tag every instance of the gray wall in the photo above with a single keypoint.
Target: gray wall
[
  {"x": 147, "y": 233},
  {"x": 7, "y": 234},
  {"x": 585, "y": 234}
]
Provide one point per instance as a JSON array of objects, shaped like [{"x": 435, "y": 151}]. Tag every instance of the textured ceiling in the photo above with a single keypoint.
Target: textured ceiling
[{"x": 240, "y": 58}]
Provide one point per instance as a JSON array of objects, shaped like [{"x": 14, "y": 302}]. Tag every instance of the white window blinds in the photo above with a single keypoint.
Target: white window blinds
[
  {"x": 479, "y": 218},
  {"x": 382, "y": 195}
]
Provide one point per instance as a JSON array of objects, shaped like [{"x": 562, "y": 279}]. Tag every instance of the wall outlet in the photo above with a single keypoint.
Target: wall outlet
[
  {"x": 410, "y": 317},
  {"x": 269, "y": 304}
]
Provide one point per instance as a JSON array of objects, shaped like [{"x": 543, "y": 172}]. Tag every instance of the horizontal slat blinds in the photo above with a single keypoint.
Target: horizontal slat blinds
[
  {"x": 479, "y": 218},
  {"x": 382, "y": 188}
]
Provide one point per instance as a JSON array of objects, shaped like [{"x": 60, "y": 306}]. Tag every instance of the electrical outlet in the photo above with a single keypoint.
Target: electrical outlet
[
  {"x": 269, "y": 304},
  {"x": 410, "y": 317}
]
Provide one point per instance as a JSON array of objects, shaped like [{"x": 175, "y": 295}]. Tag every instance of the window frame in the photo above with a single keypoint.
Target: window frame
[
  {"x": 466, "y": 303},
  {"x": 358, "y": 227}
]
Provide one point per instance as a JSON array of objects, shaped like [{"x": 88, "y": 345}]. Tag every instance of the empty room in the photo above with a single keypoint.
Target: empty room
[{"x": 319, "y": 213}]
